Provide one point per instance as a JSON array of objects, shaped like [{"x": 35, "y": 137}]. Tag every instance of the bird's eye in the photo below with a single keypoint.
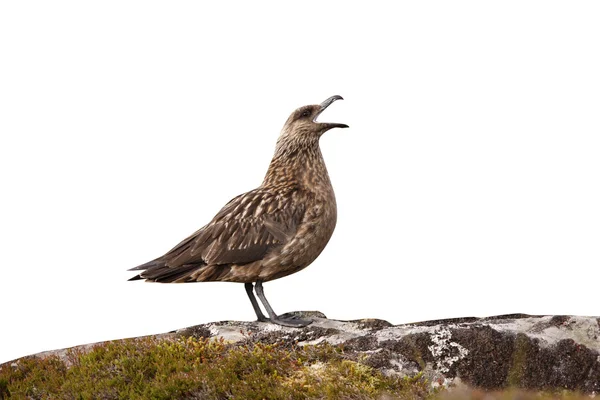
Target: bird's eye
[{"x": 305, "y": 113}]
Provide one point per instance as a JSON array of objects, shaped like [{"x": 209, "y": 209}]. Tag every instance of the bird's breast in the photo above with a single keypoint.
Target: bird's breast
[
  {"x": 314, "y": 194},
  {"x": 310, "y": 239}
]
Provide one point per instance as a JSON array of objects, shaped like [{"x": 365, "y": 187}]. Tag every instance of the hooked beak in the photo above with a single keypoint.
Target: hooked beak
[{"x": 324, "y": 105}]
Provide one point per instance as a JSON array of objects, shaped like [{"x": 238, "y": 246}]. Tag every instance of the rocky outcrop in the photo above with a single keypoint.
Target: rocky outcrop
[
  {"x": 520, "y": 351},
  {"x": 523, "y": 351}
]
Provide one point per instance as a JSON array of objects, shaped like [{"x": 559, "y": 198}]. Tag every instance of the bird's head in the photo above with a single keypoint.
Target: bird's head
[
  {"x": 303, "y": 122},
  {"x": 299, "y": 139},
  {"x": 302, "y": 130}
]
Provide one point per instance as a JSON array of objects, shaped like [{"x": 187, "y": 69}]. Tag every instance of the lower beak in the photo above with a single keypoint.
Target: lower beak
[{"x": 331, "y": 125}]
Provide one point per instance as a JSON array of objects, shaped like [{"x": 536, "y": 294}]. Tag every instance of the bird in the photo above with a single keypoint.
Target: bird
[{"x": 270, "y": 232}]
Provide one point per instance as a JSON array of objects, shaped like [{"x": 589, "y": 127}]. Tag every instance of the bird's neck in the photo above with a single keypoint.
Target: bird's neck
[{"x": 299, "y": 164}]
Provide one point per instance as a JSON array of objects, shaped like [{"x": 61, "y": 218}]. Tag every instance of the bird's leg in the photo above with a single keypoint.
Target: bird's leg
[
  {"x": 259, "y": 314},
  {"x": 293, "y": 322}
]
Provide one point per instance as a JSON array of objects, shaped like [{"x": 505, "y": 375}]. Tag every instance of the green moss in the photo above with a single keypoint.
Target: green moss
[
  {"x": 4, "y": 392},
  {"x": 33, "y": 378},
  {"x": 151, "y": 368},
  {"x": 519, "y": 361}
]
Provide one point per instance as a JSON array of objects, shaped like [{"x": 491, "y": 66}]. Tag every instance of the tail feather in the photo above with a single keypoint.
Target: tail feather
[
  {"x": 165, "y": 274},
  {"x": 157, "y": 271},
  {"x": 148, "y": 265}
]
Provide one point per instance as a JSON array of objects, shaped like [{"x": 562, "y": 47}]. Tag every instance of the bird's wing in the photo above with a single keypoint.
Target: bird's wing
[{"x": 243, "y": 231}]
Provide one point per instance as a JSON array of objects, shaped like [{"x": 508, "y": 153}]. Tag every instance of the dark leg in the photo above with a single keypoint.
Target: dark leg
[
  {"x": 259, "y": 314},
  {"x": 294, "y": 322}
]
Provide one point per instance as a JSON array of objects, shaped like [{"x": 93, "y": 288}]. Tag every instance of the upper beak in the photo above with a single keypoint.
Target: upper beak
[
  {"x": 330, "y": 100},
  {"x": 326, "y": 104}
]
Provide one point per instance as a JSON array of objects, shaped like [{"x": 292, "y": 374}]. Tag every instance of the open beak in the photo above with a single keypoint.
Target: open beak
[{"x": 324, "y": 105}]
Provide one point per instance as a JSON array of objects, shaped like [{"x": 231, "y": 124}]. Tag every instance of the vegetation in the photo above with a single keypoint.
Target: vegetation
[
  {"x": 151, "y": 368},
  {"x": 189, "y": 368}
]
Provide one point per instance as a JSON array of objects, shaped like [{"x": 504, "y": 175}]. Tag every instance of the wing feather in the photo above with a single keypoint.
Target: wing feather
[{"x": 243, "y": 231}]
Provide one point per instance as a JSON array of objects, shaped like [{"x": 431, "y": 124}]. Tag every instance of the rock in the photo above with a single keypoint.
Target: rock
[{"x": 517, "y": 350}]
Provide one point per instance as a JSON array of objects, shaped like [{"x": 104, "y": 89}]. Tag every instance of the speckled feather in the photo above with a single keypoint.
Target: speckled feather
[{"x": 272, "y": 231}]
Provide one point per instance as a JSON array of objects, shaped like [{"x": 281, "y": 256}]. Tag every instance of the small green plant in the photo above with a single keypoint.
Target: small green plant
[{"x": 4, "y": 392}]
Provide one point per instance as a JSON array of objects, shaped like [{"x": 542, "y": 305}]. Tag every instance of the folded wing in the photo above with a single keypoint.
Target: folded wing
[{"x": 245, "y": 230}]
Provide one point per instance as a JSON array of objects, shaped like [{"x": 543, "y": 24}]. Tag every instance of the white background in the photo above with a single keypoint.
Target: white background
[{"x": 467, "y": 184}]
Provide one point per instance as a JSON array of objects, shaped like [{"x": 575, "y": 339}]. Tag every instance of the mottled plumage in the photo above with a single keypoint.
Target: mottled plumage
[{"x": 272, "y": 231}]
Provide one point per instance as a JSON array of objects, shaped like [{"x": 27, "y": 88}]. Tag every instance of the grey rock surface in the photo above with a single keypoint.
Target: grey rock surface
[{"x": 529, "y": 352}]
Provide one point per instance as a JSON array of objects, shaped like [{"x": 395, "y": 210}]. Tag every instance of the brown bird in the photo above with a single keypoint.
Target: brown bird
[{"x": 267, "y": 233}]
